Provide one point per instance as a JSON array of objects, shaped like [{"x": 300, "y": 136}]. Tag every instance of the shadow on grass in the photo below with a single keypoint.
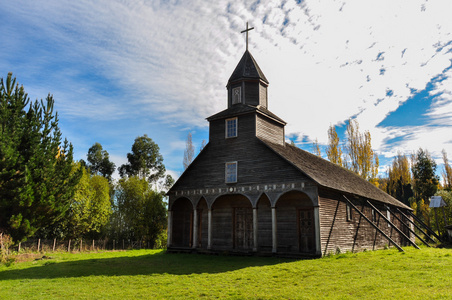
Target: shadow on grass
[{"x": 149, "y": 264}]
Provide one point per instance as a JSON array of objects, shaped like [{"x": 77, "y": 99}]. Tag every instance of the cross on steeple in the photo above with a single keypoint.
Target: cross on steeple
[{"x": 246, "y": 30}]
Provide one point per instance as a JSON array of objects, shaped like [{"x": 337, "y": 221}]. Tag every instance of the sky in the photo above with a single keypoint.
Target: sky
[{"x": 120, "y": 69}]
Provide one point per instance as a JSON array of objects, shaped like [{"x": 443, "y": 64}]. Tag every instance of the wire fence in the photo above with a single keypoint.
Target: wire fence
[{"x": 78, "y": 245}]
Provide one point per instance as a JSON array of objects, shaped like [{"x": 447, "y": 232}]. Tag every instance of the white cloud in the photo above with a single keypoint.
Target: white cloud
[{"x": 170, "y": 61}]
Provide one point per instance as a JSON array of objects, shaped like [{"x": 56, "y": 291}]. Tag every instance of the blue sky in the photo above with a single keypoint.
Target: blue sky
[{"x": 122, "y": 69}]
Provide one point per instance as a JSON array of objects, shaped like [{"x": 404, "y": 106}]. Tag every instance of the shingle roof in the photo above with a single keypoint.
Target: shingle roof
[
  {"x": 332, "y": 176},
  {"x": 240, "y": 109},
  {"x": 247, "y": 69}
]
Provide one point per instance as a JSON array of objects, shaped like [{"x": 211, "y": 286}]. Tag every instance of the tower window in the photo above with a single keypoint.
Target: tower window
[
  {"x": 231, "y": 172},
  {"x": 231, "y": 128},
  {"x": 236, "y": 95}
]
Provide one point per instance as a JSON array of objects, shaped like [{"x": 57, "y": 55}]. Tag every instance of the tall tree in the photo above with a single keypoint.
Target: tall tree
[
  {"x": 99, "y": 161},
  {"x": 424, "y": 177},
  {"x": 145, "y": 161},
  {"x": 361, "y": 158},
  {"x": 90, "y": 207},
  {"x": 399, "y": 179},
  {"x": 316, "y": 148},
  {"x": 140, "y": 211},
  {"x": 447, "y": 172},
  {"x": 203, "y": 144},
  {"x": 333, "y": 150},
  {"x": 189, "y": 152},
  {"x": 36, "y": 182}
]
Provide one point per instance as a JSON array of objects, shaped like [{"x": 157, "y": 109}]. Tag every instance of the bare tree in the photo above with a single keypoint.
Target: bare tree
[{"x": 189, "y": 152}]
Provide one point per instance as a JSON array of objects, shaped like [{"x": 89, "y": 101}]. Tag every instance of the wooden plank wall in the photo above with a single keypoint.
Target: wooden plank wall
[
  {"x": 263, "y": 96},
  {"x": 257, "y": 164},
  {"x": 355, "y": 235},
  {"x": 264, "y": 217},
  {"x": 269, "y": 130}
]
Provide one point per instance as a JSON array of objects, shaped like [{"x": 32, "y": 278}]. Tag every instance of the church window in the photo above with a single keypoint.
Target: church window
[
  {"x": 236, "y": 95},
  {"x": 231, "y": 172},
  {"x": 231, "y": 128},
  {"x": 349, "y": 212}
]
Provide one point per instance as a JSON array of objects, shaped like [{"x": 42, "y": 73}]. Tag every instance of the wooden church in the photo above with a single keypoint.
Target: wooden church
[{"x": 248, "y": 191}]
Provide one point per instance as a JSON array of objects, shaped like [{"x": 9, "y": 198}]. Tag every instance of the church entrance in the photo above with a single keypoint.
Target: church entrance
[
  {"x": 182, "y": 223},
  {"x": 306, "y": 230},
  {"x": 243, "y": 228}
]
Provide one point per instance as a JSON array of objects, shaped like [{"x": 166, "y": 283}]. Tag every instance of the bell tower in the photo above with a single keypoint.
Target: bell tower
[{"x": 247, "y": 84}]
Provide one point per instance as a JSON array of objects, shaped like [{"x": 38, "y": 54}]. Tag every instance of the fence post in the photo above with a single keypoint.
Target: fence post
[
  {"x": 69, "y": 246},
  {"x": 81, "y": 244},
  {"x": 18, "y": 250},
  {"x": 39, "y": 244},
  {"x": 93, "y": 244},
  {"x": 54, "y": 243}
]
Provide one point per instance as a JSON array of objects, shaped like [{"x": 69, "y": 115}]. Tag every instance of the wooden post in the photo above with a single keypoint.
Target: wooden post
[
  {"x": 122, "y": 244},
  {"x": 195, "y": 229},
  {"x": 373, "y": 225},
  {"x": 18, "y": 250},
  {"x": 425, "y": 226},
  {"x": 39, "y": 244},
  {"x": 415, "y": 225},
  {"x": 255, "y": 229},
  {"x": 114, "y": 244},
  {"x": 393, "y": 226},
  {"x": 412, "y": 231},
  {"x": 274, "y": 234},
  {"x": 54, "y": 244},
  {"x": 81, "y": 245},
  {"x": 69, "y": 246},
  {"x": 93, "y": 244},
  {"x": 170, "y": 229},
  {"x": 209, "y": 229},
  {"x": 318, "y": 246}
]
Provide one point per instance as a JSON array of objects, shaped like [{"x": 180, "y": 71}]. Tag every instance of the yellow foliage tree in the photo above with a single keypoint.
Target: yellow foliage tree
[{"x": 333, "y": 150}]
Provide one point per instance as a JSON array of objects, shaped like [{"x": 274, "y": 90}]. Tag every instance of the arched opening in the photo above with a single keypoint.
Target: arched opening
[
  {"x": 203, "y": 226},
  {"x": 295, "y": 223},
  {"x": 182, "y": 213},
  {"x": 232, "y": 223},
  {"x": 264, "y": 225}
]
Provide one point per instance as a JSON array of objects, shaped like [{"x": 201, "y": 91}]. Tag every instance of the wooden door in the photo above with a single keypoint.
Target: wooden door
[
  {"x": 243, "y": 228},
  {"x": 306, "y": 230}
]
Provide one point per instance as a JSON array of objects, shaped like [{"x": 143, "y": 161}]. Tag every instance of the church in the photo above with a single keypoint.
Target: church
[{"x": 250, "y": 192}]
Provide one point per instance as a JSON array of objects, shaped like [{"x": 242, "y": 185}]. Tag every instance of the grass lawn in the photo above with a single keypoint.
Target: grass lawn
[{"x": 151, "y": 274}]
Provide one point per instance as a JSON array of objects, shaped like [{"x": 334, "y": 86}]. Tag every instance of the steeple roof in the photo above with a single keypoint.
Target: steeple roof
[{"x": 247, "y": 69}]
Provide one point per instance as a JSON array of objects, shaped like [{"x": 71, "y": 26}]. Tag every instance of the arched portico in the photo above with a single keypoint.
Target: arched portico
[
  {"x": 295, "y": 223},
  {"x": 232, "y": 223},
  {"x": 181, "y": 223}
]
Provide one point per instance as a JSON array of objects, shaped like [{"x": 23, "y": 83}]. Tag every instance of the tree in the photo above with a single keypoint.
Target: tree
[
  {"x": 189, "y": 152},
  {"x": 140, "y": 211},
  {"x": 203, "y": 144},
  {"x": 36, "y": 182},
  {"x": 90, "y": 207},
  {"x": 425, "y": 180},
  {"x": 145, "y": 161},
  {"x": 316, "y": 148},
  {"x": 99, "y": 161},
  {"x": 447, "y": 173},
  {"x": 361, "y": 158},
  {"x": 399, "y": 179},
  {"x": 333, "y": 150}
]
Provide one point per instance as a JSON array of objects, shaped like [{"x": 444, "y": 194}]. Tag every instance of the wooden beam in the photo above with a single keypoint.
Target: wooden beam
[
  {"x": 419, "y": 228},
  {"x": 393, "y": 226},
  {"x": 425, "y": 226},
  {"x": 371, "y": 223},
  {"x": 395, "y": 216}
]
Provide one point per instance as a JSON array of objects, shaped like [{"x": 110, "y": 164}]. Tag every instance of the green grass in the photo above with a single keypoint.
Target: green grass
[{"x": 385, "y": 274}]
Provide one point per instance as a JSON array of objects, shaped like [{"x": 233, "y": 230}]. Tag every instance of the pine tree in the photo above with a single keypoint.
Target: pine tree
[{"x": 36, "y": 183}]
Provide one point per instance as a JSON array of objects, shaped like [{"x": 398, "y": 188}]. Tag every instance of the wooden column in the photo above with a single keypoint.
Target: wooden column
[
  {"x": 318, "y": 249},
  {"x": 209, "y": 229},
  {"x": 255, "y": 229},
  {"x": 274, "y": 240},
  {"x": 195, "y": 229},
  {"x": 170, "y": 229}
]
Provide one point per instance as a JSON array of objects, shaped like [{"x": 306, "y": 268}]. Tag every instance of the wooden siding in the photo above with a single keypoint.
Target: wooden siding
[
  {"x": 223, "y": 220},
  {"x": 336, "y": 233},
  {"x": 263, "y": 96},
  {"x": 287, "y": 221},
  {"x": 264, "y": 225},
  {"x": 257, "y": 164},
  {"x": 252, "y": 94},
  {"x": 270, "y": 130}
]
